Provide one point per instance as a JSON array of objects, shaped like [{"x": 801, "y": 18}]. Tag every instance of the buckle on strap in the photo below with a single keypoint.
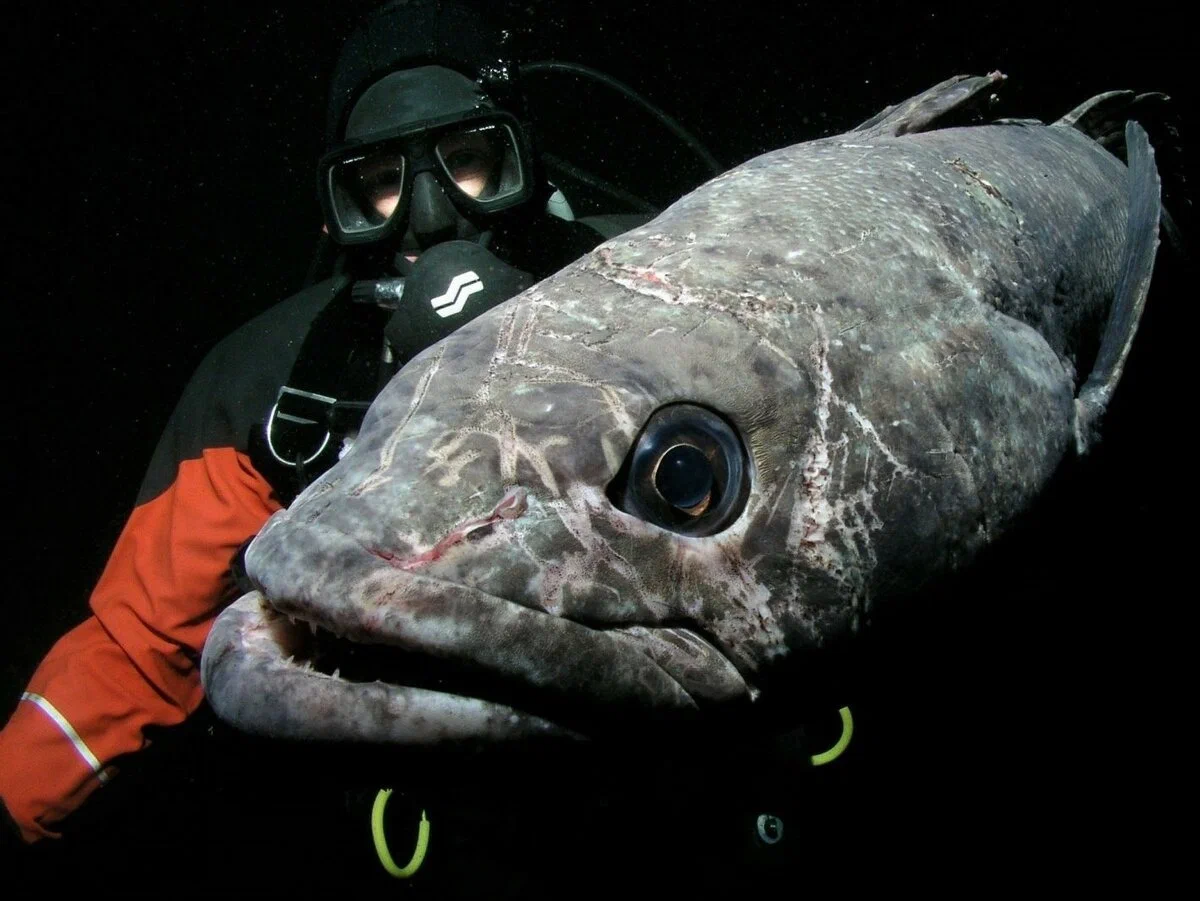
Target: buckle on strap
[
  {"x": 298, "y": 426},
  {"x": 303, "y": 422}
]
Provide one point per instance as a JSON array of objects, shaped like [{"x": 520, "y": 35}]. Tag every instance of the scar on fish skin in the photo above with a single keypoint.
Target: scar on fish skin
[
  {"x": 377, "y": 476},
  {"x": 514, "y": 504},
  {"x": 990, "y": 189}
]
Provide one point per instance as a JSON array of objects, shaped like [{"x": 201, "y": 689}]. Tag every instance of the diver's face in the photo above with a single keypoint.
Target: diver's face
[{"x": 469, "y": 159}]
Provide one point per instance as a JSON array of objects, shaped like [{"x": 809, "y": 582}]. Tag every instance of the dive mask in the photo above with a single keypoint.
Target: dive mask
[{"x": 480, "y": 160}]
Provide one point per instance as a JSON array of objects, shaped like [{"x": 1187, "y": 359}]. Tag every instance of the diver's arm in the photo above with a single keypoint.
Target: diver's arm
[{"x": 134, "y": 663}]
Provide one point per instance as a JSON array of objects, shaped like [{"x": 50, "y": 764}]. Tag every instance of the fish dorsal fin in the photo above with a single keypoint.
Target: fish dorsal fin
[
  {"x": 1103, "y": 117},
  {"x": 1133, "y": 283},
  {"x": 934, "y": 108}
]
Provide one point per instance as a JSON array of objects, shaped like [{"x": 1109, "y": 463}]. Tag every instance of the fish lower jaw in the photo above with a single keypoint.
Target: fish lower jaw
[{"x": 275, "y": 674}]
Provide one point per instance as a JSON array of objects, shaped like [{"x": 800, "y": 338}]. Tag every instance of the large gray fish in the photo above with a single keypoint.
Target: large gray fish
[{"x": 649, "y": 488}]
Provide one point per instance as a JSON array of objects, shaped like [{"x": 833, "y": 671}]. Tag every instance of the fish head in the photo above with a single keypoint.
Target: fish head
[{"x": 581, "y": 504}]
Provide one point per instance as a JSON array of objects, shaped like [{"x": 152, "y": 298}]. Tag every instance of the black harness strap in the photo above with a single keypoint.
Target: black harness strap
[{"x": 334, "y": 379}]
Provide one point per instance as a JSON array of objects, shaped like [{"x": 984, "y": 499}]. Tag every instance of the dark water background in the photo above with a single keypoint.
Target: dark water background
[{"x": 160, "y": 192}]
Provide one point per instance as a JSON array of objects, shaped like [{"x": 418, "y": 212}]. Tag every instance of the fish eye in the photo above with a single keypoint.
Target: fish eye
[
  {"x": 688, "y": 472},
  {"x": 684, "y": 479}
]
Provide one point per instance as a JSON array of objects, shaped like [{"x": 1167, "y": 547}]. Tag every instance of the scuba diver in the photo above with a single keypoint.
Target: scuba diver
[{"x": 436, "y": 208}]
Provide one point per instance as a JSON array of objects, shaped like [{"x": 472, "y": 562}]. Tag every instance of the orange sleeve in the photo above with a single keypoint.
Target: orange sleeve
[{"x": 135, "y": 662}]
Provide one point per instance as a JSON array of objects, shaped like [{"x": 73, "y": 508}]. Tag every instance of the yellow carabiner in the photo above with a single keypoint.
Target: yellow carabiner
[
  {"x": 836, "y": 751},
  {"x": 381, "y": 847}
]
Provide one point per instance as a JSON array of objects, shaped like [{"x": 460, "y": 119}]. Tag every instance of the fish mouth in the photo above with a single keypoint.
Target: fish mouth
[
  {"x": 273, "y": 668},
  {"x": 321, "y": 651},
  {"x": 275, "y": 675},
  {"x": 345, "y": 641}
]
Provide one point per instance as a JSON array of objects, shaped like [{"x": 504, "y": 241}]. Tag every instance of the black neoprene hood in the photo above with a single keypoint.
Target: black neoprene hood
[
  {"x": 410, "y": 96},
  {"x": 406, "y": 34}
]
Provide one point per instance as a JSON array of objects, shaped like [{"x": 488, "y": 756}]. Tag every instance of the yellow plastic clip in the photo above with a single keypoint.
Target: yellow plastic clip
[
  {"x": 381, "y": 848},
  {"x": 842, "y": 743}
]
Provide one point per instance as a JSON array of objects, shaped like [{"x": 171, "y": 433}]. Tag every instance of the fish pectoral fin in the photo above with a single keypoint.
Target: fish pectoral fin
[
  {"x": 941, "y": 106},
  {"x": 1133, "y": 284},
  {"x": 1102, "y": 118}
]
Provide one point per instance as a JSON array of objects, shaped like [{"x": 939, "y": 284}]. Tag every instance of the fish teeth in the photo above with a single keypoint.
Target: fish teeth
[
  {"x": 312, "y": 627},
  {"x": 291, "y": 619},
  {"x": 337, "y": 673}
]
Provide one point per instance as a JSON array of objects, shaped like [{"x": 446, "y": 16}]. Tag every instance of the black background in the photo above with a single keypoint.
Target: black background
[{"x": 159, "y": 192}]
